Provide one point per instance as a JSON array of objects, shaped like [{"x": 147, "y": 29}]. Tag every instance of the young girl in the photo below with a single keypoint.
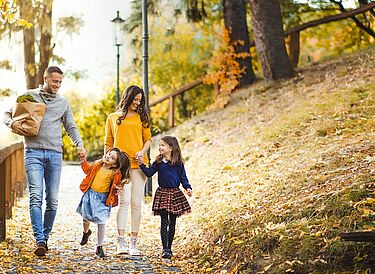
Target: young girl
[
  {"x": 169, "y": 201},
  {"x": 103, "y": 178}
]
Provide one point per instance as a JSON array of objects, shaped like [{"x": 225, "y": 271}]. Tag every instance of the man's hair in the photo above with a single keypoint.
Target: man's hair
[{"x": 53, "y": 69}]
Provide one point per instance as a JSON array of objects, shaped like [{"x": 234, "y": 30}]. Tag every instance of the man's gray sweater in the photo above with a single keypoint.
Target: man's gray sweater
[{"x": 58, "y": 112}]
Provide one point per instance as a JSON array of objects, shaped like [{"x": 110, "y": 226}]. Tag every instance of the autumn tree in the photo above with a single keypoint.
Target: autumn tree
[
  {"x": 269, "y": 39},
  {"x": 37, "y": 37},
  {"x": 9, "y": 22},
  {"x": 235, "y": 22},
  {"x": 40, "y": 14}
]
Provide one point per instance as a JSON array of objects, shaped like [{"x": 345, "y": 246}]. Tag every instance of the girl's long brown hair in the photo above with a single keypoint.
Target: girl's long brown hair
[
  {"x": 176, "y": 151},
  {"x": 122, "y": 162},
  {"x": 127, "y": 99}
]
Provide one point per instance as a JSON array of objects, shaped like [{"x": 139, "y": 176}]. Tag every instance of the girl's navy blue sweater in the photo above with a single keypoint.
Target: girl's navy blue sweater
[{"x": 169, "y": 176}]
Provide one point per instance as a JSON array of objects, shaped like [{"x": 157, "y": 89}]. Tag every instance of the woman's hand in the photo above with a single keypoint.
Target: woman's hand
[
  {"x": 140, "y": 161},
  {"x": 125, "y": 181},
  {"x": 189, "y": 192},
  {"x": 139, "y": 155}
]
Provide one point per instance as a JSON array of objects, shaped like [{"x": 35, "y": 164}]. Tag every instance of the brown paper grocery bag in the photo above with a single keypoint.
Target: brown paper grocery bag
[{"x": 32, "y": 114}]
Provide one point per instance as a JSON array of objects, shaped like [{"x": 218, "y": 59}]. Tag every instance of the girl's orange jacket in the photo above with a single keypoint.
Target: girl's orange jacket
[{"x": 90, "y": 171}]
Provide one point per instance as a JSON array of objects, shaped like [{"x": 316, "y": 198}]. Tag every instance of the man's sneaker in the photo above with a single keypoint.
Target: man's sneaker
[
  {"x": 134, "y": 251},
  {"x": 41, "y": 249},
  {"x": 122, "y": 246},
  {"x": 85, "y": 237},
  {"x": 100, "y": 251}
]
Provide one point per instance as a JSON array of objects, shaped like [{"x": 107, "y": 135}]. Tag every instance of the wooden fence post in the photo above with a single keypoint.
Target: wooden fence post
[
  {"x": 13, "y": 178},
  {"x": 171, "y": 112},
  {"x": 2, "y": 202},
  {"x": 12, "y": 181},
  {"x": 294, "y": 48},
  {"x": 8, "y": 188}
]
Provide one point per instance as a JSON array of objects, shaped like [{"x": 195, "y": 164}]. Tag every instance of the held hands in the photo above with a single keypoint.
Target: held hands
[
  {"x": 189, "y": 192},
  {"x": 82, "y": 154},
  {"x": 139, "y": 157}
]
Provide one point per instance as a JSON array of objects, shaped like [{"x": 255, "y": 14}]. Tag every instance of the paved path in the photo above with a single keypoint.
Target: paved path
[{"x": 65, "y": 254}]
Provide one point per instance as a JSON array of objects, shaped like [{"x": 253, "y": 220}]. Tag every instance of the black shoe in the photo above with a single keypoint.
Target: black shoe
[
  {"x": 166, "y": 254},
  {"x": 41, "y": 249},
  {"x": 85, "y": 237},
  {"x": 99, "y": 251}
]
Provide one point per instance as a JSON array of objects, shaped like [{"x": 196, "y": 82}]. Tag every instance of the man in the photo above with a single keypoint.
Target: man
[{"x": 43, "y": 154}]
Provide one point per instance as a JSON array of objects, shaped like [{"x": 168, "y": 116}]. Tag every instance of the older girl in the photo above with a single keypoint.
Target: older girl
[{"x": 169, "y": 201}]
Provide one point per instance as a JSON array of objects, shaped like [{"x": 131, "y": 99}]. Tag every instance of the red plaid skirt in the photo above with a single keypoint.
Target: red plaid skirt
[{"x": 171, "y": 200}]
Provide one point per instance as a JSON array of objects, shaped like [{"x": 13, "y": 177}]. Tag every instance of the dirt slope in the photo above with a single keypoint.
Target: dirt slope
[{"x": 281, "y": 171}]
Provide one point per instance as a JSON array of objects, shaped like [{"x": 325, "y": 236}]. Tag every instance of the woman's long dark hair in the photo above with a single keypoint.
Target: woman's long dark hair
[
  {"x": 176, "y": 154},
  {"x": 127, "y": 99}
]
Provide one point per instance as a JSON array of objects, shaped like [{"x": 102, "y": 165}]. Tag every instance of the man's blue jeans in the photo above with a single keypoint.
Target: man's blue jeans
[{"x": 43, "y": 170}]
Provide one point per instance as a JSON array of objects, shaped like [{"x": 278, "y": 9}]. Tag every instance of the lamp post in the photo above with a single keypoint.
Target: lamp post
[
  {"x": 118, "y": 35},
  {"x": 148, "y": 188}
]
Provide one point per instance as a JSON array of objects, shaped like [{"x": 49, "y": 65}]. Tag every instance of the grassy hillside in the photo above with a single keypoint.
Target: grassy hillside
[{"x": 281, "y": 171}]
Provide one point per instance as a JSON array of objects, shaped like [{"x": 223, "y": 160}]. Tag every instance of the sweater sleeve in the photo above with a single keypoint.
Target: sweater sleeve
[
  {"x": 108, "y": 139},
  {"x": 146, "y": 134},
  {"x": 149, "y": 171},
  {"x": 183, "y": 178},
  {"x": 71, "y": 127},
  {"x": 7, "y": 118},
  {"x": 86, "y": 167}
]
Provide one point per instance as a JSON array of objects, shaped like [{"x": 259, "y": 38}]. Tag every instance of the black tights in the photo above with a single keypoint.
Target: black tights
[{"x": 167, "y": 228}]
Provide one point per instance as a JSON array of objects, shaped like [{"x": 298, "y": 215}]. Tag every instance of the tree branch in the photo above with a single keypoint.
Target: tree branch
[{"x": 355, "y": 19}]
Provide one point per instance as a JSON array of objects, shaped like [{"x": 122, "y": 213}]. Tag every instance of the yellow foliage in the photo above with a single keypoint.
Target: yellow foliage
[
  {"x": 8, "y": 11},
  {"x": 225, "y": 70}
]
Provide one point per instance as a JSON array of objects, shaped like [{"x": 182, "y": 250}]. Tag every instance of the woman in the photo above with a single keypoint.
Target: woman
[{"x": 129, "y": 130}]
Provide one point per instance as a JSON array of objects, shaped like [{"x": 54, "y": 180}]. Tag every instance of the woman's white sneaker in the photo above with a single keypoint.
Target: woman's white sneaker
[
  {"x": 122, "y": 247},
  {"x": 134, "y": 251}
]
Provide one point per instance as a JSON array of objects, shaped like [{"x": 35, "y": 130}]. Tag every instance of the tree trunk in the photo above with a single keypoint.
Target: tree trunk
[
  {"x": 41, "y": 19},
  {"x": 294, "y": 48},
  {"x": 30, "y": 67},
  {"x": 235, "y": 22},
  {"x": 45, "y": 50},
  {"x": 269, "y": 39}
]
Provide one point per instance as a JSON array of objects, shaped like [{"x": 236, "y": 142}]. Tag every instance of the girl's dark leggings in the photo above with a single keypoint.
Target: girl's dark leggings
[{"x": 167, "y": 228}]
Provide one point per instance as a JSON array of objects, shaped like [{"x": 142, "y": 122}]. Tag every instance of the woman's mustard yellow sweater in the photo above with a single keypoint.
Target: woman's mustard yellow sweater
[{"x": 130, "y": 136}]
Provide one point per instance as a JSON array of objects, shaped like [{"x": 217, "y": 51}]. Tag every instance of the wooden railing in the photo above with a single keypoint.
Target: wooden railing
[
  {"x": 12, "y": 181},
  {"x": 171, "y": 97},
  {"x": 294, "y": 32}
]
